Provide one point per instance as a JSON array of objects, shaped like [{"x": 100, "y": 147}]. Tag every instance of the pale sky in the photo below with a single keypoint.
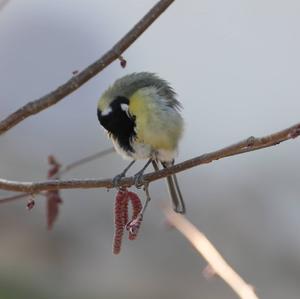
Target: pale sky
[{"x": 235, "y": 66}]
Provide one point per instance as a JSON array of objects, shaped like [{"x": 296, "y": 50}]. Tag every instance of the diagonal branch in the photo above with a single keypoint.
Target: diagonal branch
[
  {"x": 211, "y": 255},
  {"x": 85, "y": 160},
  {"x": 75, "y": 82},
  {"x": 3, "y": 3},
  {"x": 247, "y": 145}
]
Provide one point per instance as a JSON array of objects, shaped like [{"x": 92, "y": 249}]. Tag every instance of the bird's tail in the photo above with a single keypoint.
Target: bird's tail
[{"x": 174, "y": 190}]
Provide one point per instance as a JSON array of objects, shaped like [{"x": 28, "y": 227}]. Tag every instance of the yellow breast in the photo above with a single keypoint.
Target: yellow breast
[{"x": 156, "y": 123}]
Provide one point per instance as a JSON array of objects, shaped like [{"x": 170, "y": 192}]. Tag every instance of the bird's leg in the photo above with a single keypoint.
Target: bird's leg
[
  {"x": 118, "y": 177},
  {"x": 138, "y": 181},
  {"x": 155, "y": 165},
  {"x": 148, "y": 198}
]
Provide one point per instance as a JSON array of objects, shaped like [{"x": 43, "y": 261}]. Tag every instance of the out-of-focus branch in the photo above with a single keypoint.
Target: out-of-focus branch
[
  {"x": 8, "y": 199},
  {"x": 247, "y": 145},
  {"x": 3, "y": 3},
  {"x": 85, "y": 160},
  {"x": 61, "y": 172},
  {"x": 75, "y": 82},
  {"x": 211, "y": 255}
]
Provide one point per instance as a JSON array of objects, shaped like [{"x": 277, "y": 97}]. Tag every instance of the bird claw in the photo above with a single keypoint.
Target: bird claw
[
  {"x": 138, "y": 180},
  {"x": 116, "y": 180}
]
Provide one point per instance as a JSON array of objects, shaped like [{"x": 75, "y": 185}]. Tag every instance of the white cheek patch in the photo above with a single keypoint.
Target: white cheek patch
[
  {"x": 106, "y": 111},
  {"x": 125, "y": 107}
]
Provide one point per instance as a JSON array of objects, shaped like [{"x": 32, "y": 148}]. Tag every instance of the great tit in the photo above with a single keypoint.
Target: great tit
[{"x": 141, "y": 115}]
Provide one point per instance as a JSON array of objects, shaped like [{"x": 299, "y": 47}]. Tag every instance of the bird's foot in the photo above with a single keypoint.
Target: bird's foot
[
  {"x": 116, "y": 180},
  {"x": 138, "y": 179}
]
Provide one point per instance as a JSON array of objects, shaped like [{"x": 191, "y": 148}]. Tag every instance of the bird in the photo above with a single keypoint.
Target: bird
[{"x": 142, "y": 116}]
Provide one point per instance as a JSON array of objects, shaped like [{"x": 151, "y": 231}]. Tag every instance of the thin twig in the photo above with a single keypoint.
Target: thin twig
[
  {"x": 64, "y": 170},
  {"x": 247, "y": 145},
  {"x": 9, "y": 199},
  {"x": 211, "y": 255},
  {"x": 84, "y": 161},
  {"x": 78, "y": 80},
  {"x": 3, "y": 3}
]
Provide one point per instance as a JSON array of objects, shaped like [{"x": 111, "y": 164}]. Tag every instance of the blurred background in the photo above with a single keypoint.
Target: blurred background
[{"x": 235, "y": 66}]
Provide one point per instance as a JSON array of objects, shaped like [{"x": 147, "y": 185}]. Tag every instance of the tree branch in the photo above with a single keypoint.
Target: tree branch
[
  {"x": 247, "y": 145},
  {"x": 61, "y": 172},
  {"x": 3, "y": 3},
  {"x": 75, "y": 82},
  {"x": 211, "y": 255},
  {"x": 85, "y": 160}
]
